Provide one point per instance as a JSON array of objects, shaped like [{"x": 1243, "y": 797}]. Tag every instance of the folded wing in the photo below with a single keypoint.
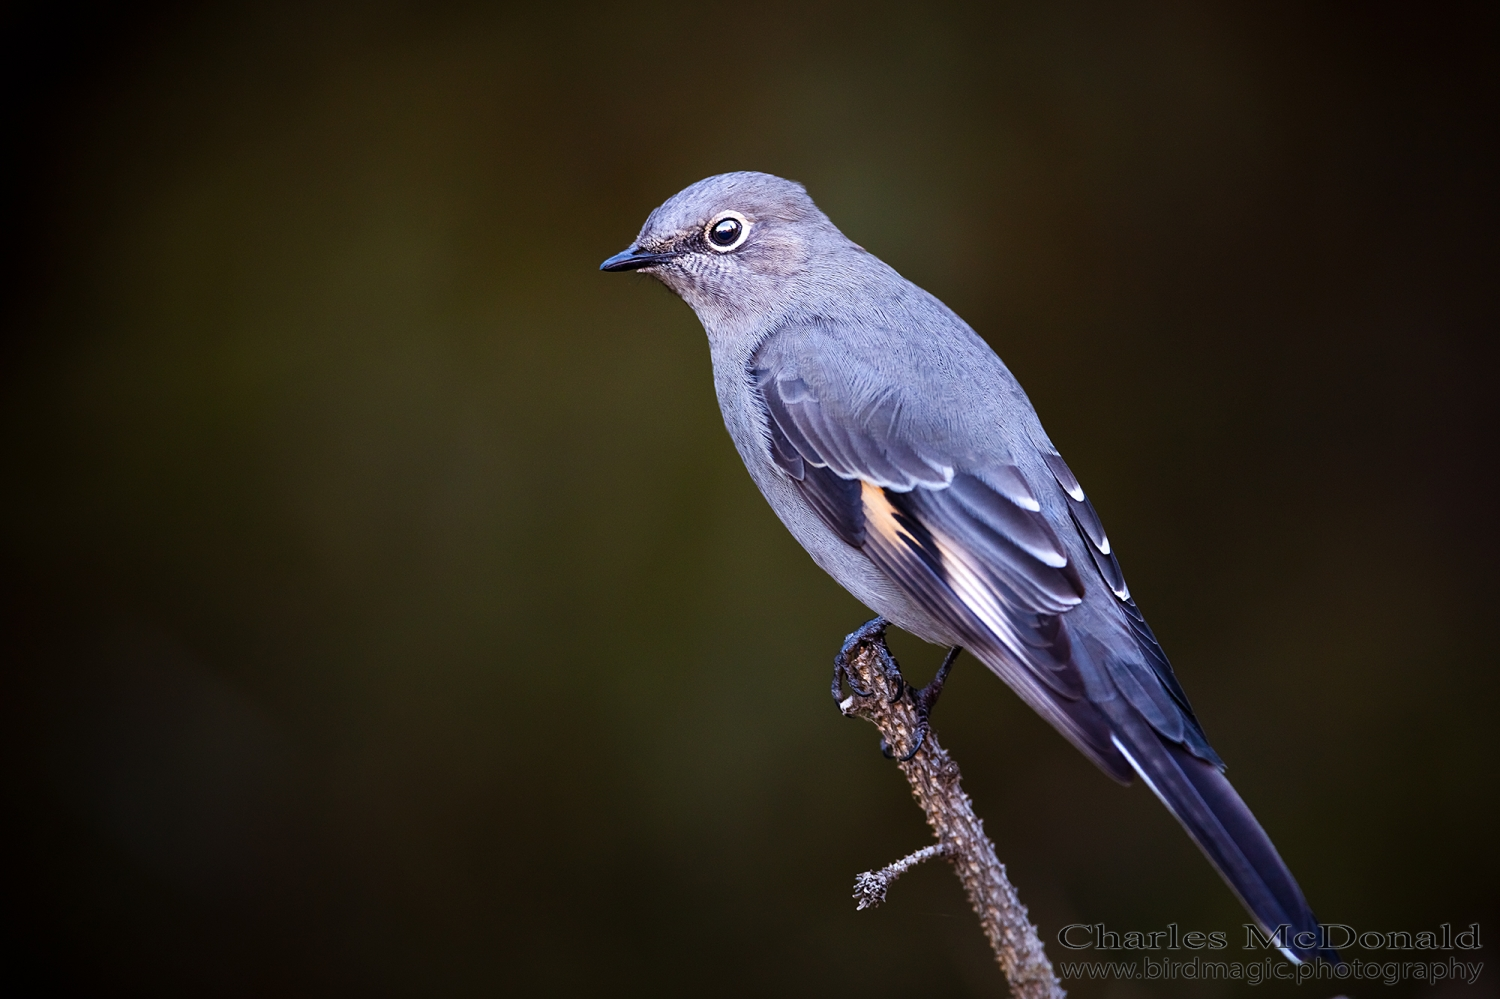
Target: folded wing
[
  {"x": 967, "y": 540},
  {"x": 962, "y": 532}
]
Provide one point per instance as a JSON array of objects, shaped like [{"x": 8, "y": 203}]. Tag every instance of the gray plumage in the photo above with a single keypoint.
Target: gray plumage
[{"x": 904, "y": 456}]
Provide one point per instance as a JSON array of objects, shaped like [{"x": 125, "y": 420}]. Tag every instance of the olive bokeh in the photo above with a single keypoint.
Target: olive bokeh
[{"x": 386, "y": 609}]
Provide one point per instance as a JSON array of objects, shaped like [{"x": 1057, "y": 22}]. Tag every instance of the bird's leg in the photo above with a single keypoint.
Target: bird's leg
[
  {"x": 871, "y": 629},
  {"x": 923, "y": 700},
  {"x": 926, "y": 698}
]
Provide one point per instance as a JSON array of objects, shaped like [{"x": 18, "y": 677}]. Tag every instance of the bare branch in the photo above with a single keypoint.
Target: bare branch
[
  {"x": 869, "y": 887},
  {"x": 882, "y": 697}
]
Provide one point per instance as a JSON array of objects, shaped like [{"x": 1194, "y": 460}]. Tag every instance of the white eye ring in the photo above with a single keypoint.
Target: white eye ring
[{"x": 712, "y": 232}]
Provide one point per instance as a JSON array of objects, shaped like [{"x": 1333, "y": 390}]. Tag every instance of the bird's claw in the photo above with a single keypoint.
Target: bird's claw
[
  {"x": 873, "y": 628},
  {"x": 885, "y": 749},
  {"x": 923, "y": 699}
]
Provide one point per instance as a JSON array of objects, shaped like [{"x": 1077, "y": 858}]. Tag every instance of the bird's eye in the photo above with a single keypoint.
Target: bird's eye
[{"x": 727, "y": 232}]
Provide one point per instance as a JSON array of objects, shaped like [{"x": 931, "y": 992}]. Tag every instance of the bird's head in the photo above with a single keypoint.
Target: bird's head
[{"x": 733, "y": 241}]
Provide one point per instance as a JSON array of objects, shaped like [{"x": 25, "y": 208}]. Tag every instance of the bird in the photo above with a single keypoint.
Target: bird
[{"x": 899, "y": 450}]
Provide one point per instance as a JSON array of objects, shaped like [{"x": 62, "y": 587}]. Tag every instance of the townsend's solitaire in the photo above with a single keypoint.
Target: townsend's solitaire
[{"x": 901, "y": 452}]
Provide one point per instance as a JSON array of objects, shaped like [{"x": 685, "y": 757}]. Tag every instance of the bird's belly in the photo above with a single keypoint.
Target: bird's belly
[{"x": 849, "y": 566}]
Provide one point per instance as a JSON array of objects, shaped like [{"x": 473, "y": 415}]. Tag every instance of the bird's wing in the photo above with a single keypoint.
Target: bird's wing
[
  {"x": 1146, "y": 677},
  {"x": 963, "y": 534},
  {"x": 967, "y": 536}
]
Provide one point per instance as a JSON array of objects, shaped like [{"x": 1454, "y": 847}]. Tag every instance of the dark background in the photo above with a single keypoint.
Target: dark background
[{"x": 387, "y": 613}]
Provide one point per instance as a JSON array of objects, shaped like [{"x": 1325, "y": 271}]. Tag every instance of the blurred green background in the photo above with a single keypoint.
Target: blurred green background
[{"x": 387, "y": 613}]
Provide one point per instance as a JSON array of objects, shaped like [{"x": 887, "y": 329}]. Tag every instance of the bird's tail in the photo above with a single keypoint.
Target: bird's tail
[{"x": 1213, "y": 814}]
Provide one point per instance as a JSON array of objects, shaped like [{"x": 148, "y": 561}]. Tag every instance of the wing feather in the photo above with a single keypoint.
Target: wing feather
[
  {"x": 980, "y": 558},
  {"x": 997, "y": 559},
  {"x": 969, "y": 541},
  {"x": 1147, "y": 696}
]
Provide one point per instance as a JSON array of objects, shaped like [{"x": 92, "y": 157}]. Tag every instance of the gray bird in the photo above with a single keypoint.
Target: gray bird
[{"x": 901, "y": 452}]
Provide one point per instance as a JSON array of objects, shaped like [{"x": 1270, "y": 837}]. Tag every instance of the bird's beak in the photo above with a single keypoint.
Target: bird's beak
[{"x": 634, "y": 259}]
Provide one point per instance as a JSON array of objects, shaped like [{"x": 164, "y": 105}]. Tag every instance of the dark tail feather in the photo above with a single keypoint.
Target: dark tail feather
[{"x": 1213, "y": 814}]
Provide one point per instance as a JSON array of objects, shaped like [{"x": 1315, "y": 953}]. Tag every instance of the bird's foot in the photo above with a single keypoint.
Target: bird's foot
[
  {"x": 924, "y": 699},
  {"x": 885, "y": 750},
  {"x": 871, "y": 629}
]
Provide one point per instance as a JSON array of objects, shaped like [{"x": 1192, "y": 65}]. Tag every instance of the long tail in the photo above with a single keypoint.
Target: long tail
[{"x": 1213, "y": 814}]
